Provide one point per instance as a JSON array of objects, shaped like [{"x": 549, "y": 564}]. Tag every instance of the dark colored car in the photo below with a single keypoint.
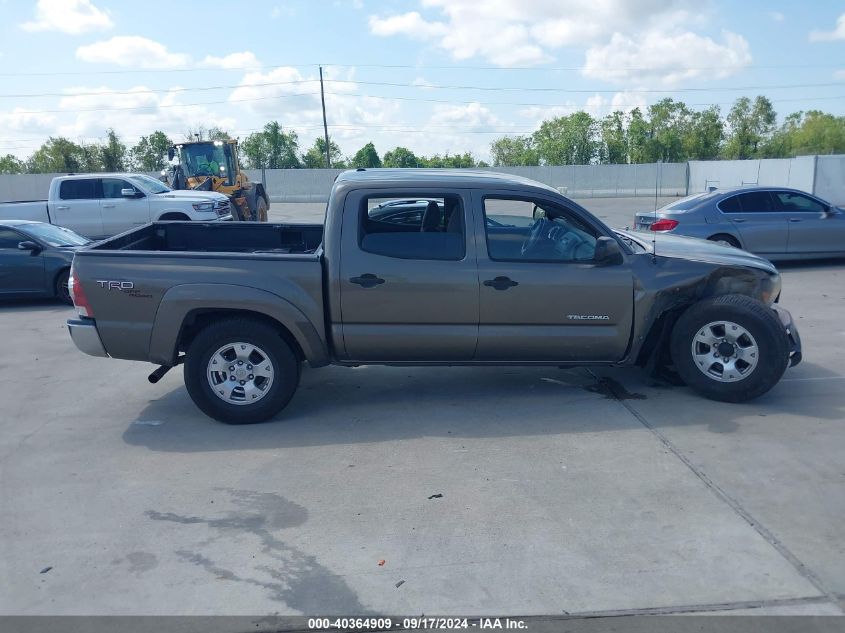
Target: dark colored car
[
  {"x": 773, "y": 222},
  {"x": 35, "y": 259}
]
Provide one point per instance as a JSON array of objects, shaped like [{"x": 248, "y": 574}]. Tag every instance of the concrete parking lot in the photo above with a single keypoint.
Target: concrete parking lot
[{"x": 423, "y": 490}]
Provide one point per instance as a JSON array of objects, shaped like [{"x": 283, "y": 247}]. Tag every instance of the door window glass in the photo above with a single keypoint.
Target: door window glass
[
  {"x": 730, "y": 205},
  {"x": 413, "y": 228},
  {"x": 525, "y": 230},
  {"x": 791, "y": 201},
  {"x": 756, "y": 202},
  {"x": 10, "y": 238},
  {"x": 112, "y": 187},
  {"x": 79, "y": 189}
]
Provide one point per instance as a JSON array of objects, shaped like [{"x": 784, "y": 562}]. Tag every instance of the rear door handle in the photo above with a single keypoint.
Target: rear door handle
[
  {"x": 739, "y": 220},
  {"x": 62, "y": 208},
  {"x": 501, "y": 283},
  {"x": 794, "y": 219},
  {"x": 108, "y": 206},
  {"x": 367, "y": 280}
]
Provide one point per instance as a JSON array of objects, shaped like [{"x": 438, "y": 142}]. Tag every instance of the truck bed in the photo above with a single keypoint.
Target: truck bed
[{"x": 218, "y": 237}]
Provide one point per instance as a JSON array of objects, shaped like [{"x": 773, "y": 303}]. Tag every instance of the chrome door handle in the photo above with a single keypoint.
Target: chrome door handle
[
  {"x": 62, "y": 208},
  {"x": 108, "y": 206}
]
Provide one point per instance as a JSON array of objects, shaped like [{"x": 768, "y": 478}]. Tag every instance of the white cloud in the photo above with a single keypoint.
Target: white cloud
[
  {"x": 471, "y": 117},
  {"x": 132, "y": 50},
  {"x": 21, "y": 120},
  {"x": 838, "y": 32},
  {"x": 243, "y": 59},
  {"x": 524, "y": 32},
  {"x": 839, "y": 74},
  {"x": 411, "y": 24},
  {"x": 667, "y": 60},
  {"x": 68, "y": 16},
  {"x": 777, "y": 16}
]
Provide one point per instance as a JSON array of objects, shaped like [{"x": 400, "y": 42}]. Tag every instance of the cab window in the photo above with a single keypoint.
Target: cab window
[
  {"x": 79, "y": 189},
  {"x": 413, "y": 228},
  {"x": 536, "y": 231}
]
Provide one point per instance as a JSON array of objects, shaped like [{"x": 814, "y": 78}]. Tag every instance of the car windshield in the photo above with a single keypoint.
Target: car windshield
[
  {"x": 56, "y": 236},
  {"x": 687, "y": 203},
  {"x": 150, "y": 184}
]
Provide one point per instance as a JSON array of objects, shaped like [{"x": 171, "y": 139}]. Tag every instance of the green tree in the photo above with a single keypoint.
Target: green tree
[
  {"x": 514, "y": 151},
  {"x": 613, "y": 148},
  {"x": 449, "y": 161},
  {"x": 818, "y": 133},
  {"x": 150, "y": 153},
  {"x": 669, "y": 125},
  {"x": 567, "y": 140},
  {"x": 702, "y": 139},
  {"x": 639, "y": 138},
  {"x": 113, "y": 154},
  {"x": 272, "y": 148},
  {"x": 367, "y": 156},
  {"x": 11, "y": 164},
  {"x": 401, "y": 157},
  {"x": 57, "y": 155},
  {"x": 750, "y": 126},
  {"x": 315, "y": 157}
]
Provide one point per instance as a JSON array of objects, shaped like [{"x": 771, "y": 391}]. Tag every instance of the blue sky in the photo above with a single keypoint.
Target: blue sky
[{"x": 431, "y": 75}]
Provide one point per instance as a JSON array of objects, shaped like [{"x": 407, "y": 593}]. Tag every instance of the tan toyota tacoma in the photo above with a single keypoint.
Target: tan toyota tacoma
[{"x": 427, "y": 267}]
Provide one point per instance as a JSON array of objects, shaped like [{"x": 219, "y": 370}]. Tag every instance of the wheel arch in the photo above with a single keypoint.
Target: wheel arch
[
  {"x": 186, "y": 308},
  {"x": 164, "y": 216},
  {"x": 735, "y": 236}
]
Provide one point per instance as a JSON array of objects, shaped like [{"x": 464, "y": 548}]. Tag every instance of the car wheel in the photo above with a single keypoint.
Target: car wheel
[
  {"x": 241, "y": 371},
  {"x": 725, "y": 240},
  {"x": 730, "y": 348},
  {"x": 261, "y": 209},
  {"x": 62, "y": 289}
]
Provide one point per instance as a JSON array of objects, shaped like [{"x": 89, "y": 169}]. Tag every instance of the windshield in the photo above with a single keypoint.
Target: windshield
[
  {"x": 687, "y": 203},
  {"x": 204, "y": 159},
  {"x": 54, "y": 235},
  {"x": 150, "y": 184}
]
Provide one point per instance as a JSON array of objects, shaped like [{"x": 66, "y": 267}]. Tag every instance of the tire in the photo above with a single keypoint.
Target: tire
[
  {"x": 723, "y": 238},
  {"x": 757, "y": 361},
  {"x": 61, "y": 288},
  {"x": 260, "y": 209},
  {"x": 206, "y": 354}
]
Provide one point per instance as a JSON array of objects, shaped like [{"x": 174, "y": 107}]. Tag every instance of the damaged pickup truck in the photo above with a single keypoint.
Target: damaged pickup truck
[{"x": 427, "y": 267}]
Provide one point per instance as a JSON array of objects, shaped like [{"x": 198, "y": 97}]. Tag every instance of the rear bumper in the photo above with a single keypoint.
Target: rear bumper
[
  {"x": 785, "y": 317},
  {"x": 84, "y": 334}
]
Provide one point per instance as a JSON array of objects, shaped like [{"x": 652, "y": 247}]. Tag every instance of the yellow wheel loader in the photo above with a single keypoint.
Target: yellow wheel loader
[{"x": 214, "y": 166}]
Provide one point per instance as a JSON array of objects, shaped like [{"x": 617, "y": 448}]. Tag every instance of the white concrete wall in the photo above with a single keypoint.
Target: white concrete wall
[
  {"x": 783, "y": 172},
  {"x": 830, "y": 179}
]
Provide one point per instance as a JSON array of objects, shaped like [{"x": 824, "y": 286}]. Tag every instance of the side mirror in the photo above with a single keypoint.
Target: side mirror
[
  {"x": 538, "y": 213},
  {"x": 171, "y": 152},
  {"x": 129, "y": 192},
  {"x": 608, "y": 252},
  {"x": 29, "y": 245}
]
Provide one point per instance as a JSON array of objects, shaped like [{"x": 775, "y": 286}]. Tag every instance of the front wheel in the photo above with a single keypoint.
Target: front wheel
[
  {"x": 240, "y": 371},
  {"x": 730, "y": 348},
  {"x": 260, "y": 209}
]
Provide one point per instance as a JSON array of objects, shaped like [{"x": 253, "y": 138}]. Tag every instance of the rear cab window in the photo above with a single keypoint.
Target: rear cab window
[
  {"x": 79, "y": 189},
  {"x": 413, "y": 227}
]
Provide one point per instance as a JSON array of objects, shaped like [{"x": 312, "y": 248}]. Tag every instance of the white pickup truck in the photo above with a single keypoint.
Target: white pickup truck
[{"x": 101, "y": 205}]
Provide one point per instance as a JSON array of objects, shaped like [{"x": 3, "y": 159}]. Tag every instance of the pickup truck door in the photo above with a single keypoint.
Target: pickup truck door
[
  {"x": 20, "y": 271},
  {"x": 78, "y": 207},
  {"x": 122, "y": 213},
  {"x": 542, "y": 299},
  {"x": 408, "y": 287}
]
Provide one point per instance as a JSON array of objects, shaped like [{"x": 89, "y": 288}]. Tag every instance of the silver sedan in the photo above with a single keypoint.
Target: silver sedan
[{"x": 774, "y": 222}]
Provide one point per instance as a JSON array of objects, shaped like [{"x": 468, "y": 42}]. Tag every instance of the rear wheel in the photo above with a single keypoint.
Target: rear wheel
[
  {"x": 62, "y": 288},
  {"x": 725, "y": 240},
  {"x": 241, "y": 371},
  {"x": 261, "y": 209},
  {"x": 730, "y": 348}
]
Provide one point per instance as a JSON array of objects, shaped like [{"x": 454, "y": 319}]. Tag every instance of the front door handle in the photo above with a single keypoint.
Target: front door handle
[
  {"x": 739, "y": 220},
  {"x": 794, "y": 219},
  {"x": 108, "y": 206},
  {"x": 501, "y": 283},
  {"x": 367, "y": 280},
  {"x": 62, "y": 208}
]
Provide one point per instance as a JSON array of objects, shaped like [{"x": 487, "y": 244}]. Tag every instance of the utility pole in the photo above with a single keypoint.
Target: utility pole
[{"x": 325, "y": 126}]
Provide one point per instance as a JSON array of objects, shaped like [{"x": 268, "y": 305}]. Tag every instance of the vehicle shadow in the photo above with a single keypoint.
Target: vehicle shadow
[{"x": 376, "y": 404}]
